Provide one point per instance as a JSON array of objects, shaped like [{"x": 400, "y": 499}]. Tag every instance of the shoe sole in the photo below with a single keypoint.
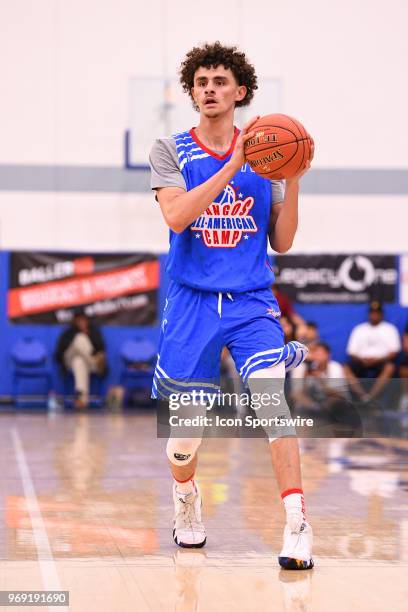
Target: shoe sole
[
  {"x": 295, "y": 564},
  {"x": 184, "y": 545}
]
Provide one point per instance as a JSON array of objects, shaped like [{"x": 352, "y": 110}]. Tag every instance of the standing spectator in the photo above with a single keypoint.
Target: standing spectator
[
  {"x": 81, "y": 349},
  {"x": 372, "y": 348}
]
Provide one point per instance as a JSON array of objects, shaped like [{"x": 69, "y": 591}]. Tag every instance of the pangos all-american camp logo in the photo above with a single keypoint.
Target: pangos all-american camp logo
[{"x": 226, "y": 220}]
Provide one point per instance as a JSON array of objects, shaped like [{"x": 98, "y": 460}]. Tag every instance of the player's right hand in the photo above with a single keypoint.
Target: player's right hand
[{"x": 238, "y": 156}]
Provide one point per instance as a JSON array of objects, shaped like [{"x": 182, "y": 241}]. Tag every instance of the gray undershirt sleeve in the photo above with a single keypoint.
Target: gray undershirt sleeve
[
  {"x": 165, "y": 169},
  {"x": 165, "y": 165},
  {"x": 278, "y": 191}
]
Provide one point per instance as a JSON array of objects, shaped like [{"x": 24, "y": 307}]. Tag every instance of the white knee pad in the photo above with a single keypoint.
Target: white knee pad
[
  {"x": 269, "y": 383},
  {"x": 181, "y": 451}
]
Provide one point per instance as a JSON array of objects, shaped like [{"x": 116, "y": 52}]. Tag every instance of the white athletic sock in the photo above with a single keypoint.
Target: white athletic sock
[
  {"x": 294, "y": 503},
  {"x": 185, "y": 487}
]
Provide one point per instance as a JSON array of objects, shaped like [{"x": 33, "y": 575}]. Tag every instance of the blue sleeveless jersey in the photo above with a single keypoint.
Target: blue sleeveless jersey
[{"x": 225, "y": 249}]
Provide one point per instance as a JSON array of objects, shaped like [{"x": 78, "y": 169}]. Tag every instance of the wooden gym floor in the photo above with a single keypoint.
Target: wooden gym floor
[{"x": 85, "y": 503}]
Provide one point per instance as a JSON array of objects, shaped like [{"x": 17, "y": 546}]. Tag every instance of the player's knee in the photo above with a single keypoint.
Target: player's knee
[
  {"x": 269, "y": 402},
  {"x": 268, "y": 384},
  {"x": 272, "y": 372},
  {"x": 181, "y": 451}
]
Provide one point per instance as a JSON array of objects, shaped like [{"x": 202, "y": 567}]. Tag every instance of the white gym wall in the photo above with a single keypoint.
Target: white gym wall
[{"x": 66, "y": 68}]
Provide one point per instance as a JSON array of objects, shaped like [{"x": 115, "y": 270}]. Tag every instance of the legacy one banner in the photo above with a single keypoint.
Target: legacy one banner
[
  {"x": 341, "y": 279},
  {"x": 45, "y": 288}
]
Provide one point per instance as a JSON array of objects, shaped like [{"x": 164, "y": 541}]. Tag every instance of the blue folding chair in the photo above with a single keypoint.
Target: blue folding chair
[
  {"x": 30, "y": 360},
  {"x": 138, "y": 358}
]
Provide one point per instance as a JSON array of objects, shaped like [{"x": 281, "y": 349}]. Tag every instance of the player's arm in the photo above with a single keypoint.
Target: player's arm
[
  {"x": 284, "y": 219},
  {"x": 180, "y": 208},
  {"x": 284, "y": 215}
]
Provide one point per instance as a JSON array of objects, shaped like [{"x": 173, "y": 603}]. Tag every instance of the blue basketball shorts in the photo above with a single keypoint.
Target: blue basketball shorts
[{"x": 197, "y": 324}]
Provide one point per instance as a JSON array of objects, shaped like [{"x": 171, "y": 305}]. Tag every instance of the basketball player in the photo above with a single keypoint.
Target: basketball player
[{"x": 219, "y": 294}]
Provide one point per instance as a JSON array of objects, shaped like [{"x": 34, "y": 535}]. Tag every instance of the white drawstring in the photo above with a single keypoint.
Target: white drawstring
[{"x": 219, "y": 309}]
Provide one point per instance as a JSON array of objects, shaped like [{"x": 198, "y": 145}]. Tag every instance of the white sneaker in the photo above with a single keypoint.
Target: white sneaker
[
  {"x": 189, "y": 531},
  {"x": 296, "y": 553}
]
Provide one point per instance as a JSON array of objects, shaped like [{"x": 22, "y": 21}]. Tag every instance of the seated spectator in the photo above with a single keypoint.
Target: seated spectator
[
  {"x": 286, "y": 306},
  {"x": 372, "y": 348},
  {"x": 307, "y": 333},
  {"x": 402, "y": 372},
  {"x": 81, "y": 349},
  {"x": 319, "y": 364},
  {"x": 319, "y": 387}
]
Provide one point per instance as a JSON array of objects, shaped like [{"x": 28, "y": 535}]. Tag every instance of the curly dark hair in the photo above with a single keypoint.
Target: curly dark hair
[{"x": 213, "y": 55}]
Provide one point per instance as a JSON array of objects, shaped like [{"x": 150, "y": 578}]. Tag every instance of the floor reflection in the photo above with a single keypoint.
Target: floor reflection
[{"x": 104, "y": 494}]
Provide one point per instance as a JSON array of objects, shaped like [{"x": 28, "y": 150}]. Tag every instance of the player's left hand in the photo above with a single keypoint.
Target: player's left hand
[
  {"x": 238, "y": 155},
  {"x": 306, "y": 167}
]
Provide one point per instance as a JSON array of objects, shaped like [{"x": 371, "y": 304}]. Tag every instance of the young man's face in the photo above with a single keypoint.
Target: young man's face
[{"x": 216, "y": 91}]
